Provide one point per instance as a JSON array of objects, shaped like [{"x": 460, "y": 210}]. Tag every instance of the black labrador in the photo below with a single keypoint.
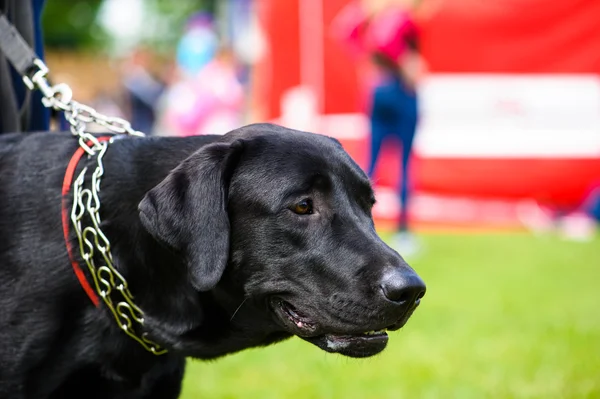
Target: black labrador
[{"x": 227, "y": 242}]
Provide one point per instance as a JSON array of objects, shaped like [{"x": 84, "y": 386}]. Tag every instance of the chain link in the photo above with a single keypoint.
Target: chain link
[
  {"x": 60, "y": 98},
  {"x": 110, "y": 285}
]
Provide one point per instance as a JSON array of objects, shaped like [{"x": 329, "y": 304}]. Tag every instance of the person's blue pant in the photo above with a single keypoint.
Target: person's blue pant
[
  {"x": 394, "y": 113},
  {"x": 593, "y": 207}
]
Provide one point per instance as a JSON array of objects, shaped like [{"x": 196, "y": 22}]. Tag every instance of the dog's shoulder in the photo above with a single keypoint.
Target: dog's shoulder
[{"x": 22, "y": 153}]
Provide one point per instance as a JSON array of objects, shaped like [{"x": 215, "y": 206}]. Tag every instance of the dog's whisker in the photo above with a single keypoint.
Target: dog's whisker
[{"x": 238, "y": 308}]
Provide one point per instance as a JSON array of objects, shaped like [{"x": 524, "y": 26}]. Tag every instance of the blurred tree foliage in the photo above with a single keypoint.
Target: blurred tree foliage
[
  {"x": 73, "y": 24},
  {"x": 168, "y": 18}
]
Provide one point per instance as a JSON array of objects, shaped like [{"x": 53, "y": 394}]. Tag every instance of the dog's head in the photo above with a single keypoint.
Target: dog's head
[{"x": 287, "y": 216}]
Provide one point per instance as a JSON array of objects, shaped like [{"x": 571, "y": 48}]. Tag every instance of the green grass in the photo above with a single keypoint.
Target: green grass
[{"x": 505, "y": 316}]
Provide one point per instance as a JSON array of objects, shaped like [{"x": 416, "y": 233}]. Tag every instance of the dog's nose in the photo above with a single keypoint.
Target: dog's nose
[{"x": 403, "y": 288}]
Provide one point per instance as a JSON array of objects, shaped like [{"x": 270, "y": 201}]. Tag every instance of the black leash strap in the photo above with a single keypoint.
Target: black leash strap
[{"x": 15, "y": 48}]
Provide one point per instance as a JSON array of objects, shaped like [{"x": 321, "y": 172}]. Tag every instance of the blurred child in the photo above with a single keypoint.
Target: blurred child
[
  {"x": 211, "y": 102},
  {"x": 206, "y": 96},
  {"x": 388, "y": 34}
]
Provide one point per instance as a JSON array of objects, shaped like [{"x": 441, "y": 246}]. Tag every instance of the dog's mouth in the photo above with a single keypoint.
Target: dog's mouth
[{"x": 362, "y": 344}]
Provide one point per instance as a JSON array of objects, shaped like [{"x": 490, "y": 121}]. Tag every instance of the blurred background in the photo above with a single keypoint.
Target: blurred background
[
  {"x": 504, "y": 176},
  {"x": 510, "y": 90}
]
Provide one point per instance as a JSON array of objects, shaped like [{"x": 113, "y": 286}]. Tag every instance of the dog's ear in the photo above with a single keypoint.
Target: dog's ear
[{"x": 188, "y": 211}]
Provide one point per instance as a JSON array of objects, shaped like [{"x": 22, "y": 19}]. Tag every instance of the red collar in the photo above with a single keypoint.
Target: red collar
[{"x": 66, "y": 188}]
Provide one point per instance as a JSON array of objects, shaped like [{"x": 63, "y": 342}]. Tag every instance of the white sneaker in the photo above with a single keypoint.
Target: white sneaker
[
  {"x": 577, "y": 227},
  {"x": 406, "y": 244}
]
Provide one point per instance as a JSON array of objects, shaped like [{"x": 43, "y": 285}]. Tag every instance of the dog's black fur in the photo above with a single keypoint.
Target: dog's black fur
[{"x": 207, "y": 233}]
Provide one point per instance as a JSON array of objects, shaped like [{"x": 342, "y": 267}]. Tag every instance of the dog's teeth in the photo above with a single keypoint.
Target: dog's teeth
[
  {"x": 299, "y": 324},
  {"x": 373, "y": 332}
]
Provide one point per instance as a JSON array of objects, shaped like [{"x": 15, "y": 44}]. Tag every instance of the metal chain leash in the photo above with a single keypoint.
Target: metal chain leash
[
  {"x": 60, "y": 98},
  {"x": 110, "y": 285}
]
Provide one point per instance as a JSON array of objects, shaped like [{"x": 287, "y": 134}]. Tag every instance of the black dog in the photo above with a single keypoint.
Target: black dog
[{"x": 227, "y": 242}]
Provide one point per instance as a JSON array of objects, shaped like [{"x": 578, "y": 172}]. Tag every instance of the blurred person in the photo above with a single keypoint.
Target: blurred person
[
  {"x": 143, "y": 90},
  {"x": 576, "y": 224},
  {"x": 210, "y": 102},
  {"x": 581, "y": 224},
  {"x": 21, "y": 109},
  {"x": 205, "y": 95},
  {"x": 594, "y": 206},
  {"x": 198, "y": 44},
  {"x": 386, "y": 31}
]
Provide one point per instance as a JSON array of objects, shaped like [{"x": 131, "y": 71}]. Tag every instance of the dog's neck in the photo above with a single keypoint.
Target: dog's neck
[{"x": 202, "y": 325}]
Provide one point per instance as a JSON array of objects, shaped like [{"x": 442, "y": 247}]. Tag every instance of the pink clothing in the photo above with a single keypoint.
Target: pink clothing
[
  {"x": 390, "y": 32},
  {"x": 209, "y": 103},
  {"x": 387, "y": 33}
]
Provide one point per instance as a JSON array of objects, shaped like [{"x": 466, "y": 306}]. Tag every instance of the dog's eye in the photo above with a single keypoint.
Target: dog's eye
[{"x": 304, "y": 207}]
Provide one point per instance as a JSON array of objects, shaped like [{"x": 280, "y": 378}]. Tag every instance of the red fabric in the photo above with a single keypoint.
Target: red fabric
[
  {"x": 560, "y": 181},
  {"x": 456, "y": 36},
  {"x": 66, "y": 188},
  {"x": 502, "y": 36},
  {"x": 512, "y": 36},
  {"x": 279, "y": 70}
]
